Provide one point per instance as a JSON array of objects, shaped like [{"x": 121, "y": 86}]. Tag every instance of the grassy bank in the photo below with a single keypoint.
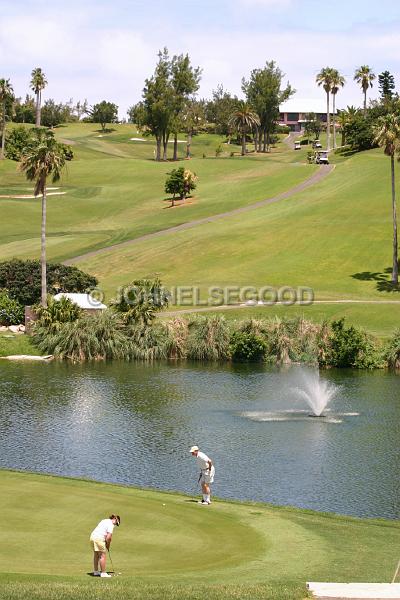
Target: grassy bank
[
  {"x": 169, "y": 546},
  {"x": 16, "y": 344}
]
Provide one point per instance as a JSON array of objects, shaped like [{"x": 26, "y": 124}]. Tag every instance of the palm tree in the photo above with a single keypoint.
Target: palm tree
[
  {"x": 244, "y": 119},
  {"x": 38, "y": 83},
  {"x": 338, "y": 81},
  {"x": 364, "y": 76},
  {"x": 325, "y": 78},
  {"x": 6, "y": 93},
  {"x": 43, "y": 157},
  {"x": 387, "y": 135}
]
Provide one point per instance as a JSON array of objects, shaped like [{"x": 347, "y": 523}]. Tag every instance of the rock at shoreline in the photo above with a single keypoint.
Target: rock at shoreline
[{"x": 28, "y": 357}]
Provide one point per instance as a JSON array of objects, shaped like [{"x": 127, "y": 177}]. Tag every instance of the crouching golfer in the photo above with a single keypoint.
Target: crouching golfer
[
  {"x": 100, "y": 538},
  {"x": 207, "y": 472}
]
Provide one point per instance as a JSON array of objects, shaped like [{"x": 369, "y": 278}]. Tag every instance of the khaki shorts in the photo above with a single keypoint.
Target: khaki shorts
[
  {"x": 98, "y": 545},
  {"x": 208, "y": 476}
]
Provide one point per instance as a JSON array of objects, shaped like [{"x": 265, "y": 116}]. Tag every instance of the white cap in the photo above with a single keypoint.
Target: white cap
[{"x": 193, "y": 449}]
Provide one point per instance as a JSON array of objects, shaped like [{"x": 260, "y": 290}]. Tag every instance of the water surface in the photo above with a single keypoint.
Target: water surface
[{"x": 134, "y": 423}]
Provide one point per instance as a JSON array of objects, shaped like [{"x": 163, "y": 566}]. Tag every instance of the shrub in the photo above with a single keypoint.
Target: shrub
[
  {"x": 208, "y": 338},
  {"x": 22, "y": 279},
  {"x": 141, "y": 300},
  {"x": 148, "y": 342},
  {"x": 92, "y": 337},
  {"x": 292, "y": 340},
  {"x": 359, "y": 133},
  {"x": 176, "y": 339},
  {"x": 351, "y": 347},
  {"x": 11, "y": 311},
  {"x": 56, "y": 313},
  {"x": 247, "y": 347},
  {"x": 17, "y": 139},
  {"x": 392, "y": 351},
  {"x": 218, "y": 150}
]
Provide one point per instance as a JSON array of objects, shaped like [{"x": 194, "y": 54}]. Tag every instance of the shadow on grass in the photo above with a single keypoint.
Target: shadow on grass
[{"x": 383, "y": 282}]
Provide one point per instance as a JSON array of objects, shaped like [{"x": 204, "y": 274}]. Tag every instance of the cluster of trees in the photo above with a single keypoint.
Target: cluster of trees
[{"x": 168, "y": 104}]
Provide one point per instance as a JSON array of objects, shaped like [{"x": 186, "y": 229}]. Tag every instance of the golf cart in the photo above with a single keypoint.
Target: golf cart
[
  {"x": 297, "y": 145},
  {"x": 316, "y": 144},
  {"x": 321, "y": 157}
]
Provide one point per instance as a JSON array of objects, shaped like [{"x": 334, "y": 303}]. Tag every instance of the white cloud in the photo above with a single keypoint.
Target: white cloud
[{"x": 81, "y": 60}]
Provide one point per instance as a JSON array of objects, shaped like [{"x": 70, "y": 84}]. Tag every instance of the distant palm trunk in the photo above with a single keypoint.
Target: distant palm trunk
[
  {"x": 334, "y": 119},
  {"x": 365, "y": 102},
  {"x": 328, "y": 123},
  {"x": 256, "y": 139},
  {"x": 395, "y": 270},
  {"x": 175, "y": 157},
  {"x": 188, "y": 144},
  {"x": 38, "y": 101},
  {"x": 43, "y": 250},
  {"x": 3, "y": 132},
  {"x": 265, "y": 141}
]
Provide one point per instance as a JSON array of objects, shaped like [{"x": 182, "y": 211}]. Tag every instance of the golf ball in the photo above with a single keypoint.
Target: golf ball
[{"x": 163, "y": 504}]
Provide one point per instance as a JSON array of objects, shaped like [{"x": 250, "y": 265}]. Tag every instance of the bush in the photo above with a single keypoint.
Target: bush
[
  {"x": 56, "y": 313},
  {"x": 392, "y": 351},
  {"x": 351, "y": 347},
  {"x": 141, "y": 300},
  {"x": 92, "y": 337},
  {"x": 148, "y": 342},
  {"x": 208, "y": 338},
  {"x": 16, "y": 140},
  {"x": 22, "y": 279},
  {"x": 11, "y": 311},
  {"x": 292, "y": 340},
  {"x": 359, "y": 133},
  {"x": 218, "y": 150},
  {"x": 247, "y": 347}
]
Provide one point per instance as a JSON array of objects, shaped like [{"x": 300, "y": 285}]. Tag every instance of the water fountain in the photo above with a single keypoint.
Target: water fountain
[{"x": 316, "y": 392}]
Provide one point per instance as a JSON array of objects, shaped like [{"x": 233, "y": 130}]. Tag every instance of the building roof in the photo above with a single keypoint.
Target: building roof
[
  {"x": 305, "y": 105},
  {"x": 84, "y": 301}
]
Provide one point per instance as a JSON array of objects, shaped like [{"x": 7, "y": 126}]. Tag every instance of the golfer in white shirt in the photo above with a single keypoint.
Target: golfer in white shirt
[
  {"x": 100, "y": 539},
  {"x": 207, "y": 472}
]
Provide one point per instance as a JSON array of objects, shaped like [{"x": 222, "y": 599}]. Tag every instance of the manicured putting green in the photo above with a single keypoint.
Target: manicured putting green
[{"x": 168, "y": 538}]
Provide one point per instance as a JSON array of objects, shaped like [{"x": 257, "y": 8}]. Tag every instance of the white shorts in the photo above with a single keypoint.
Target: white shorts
[{"x": 208, "y": 476}]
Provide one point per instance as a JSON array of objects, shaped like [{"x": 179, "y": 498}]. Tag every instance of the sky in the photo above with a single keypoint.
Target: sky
[{"x": 104, "y": 50}]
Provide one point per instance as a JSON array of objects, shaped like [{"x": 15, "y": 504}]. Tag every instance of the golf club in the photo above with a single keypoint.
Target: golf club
[
  {"x": 112, "y": 565},
  {"x": 396, "y": 572}
]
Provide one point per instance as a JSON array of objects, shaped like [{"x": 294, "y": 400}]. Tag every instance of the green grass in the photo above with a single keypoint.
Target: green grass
[
  {"x": 16, "y": 344},
  {"x": 180, "y": 550},
  {"x": 334, "y": 238},
  {"x": 115, "y": 192}
]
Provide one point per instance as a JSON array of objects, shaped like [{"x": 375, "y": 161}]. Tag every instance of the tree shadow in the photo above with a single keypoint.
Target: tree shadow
[
  {"x": 107, "y": 130},
  {"x": 383, "y": 282}
]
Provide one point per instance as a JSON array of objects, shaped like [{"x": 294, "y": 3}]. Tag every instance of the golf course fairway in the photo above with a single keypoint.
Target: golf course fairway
[{"x": 168, "y": 546}]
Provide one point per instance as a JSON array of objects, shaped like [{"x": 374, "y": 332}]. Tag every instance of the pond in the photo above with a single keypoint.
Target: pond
[{"x": 134, "y": 423}]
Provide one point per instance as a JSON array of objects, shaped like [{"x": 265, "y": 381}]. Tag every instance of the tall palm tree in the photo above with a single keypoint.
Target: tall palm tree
[
  {"x": 364, "y": 76},
  {"x": 38, "y": 83},
  {"x": 338, "y": 81},
  {"x": 43, "y": 157},
  {"x": 325, "y": 78},
  {"x": 6, "y": 93},
  {"x": 244, "y": 119},
  {"x": 387, "y": 135}
]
